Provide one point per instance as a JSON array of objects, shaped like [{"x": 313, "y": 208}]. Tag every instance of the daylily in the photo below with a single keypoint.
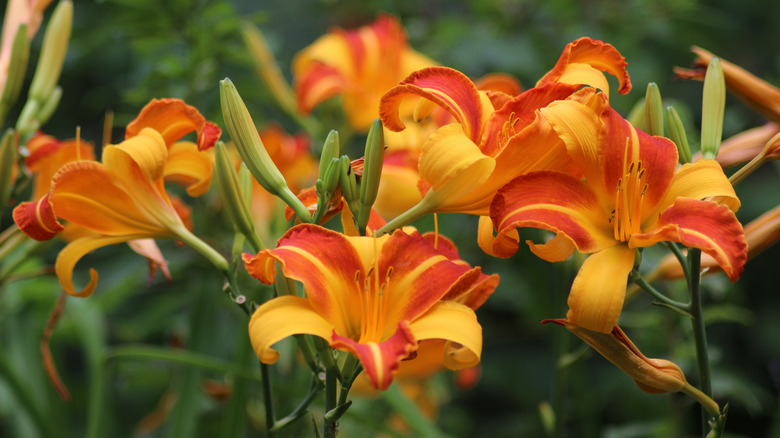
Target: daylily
[
  {"x": 654, "y": 376},
  {"x": 632, "y": 196},
  {"x": 123, "y": 198},
  {"x": 373, "y": 297},
  {"x": 359, "y": 64},
  {"x": 496, "y": 137}
]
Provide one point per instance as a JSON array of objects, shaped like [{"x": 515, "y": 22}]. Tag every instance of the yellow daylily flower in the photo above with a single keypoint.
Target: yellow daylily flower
[
  {"x": 359, "y": 64},
  {"x": 122, "y": 198},
  {"x": 373, "y": 297}
]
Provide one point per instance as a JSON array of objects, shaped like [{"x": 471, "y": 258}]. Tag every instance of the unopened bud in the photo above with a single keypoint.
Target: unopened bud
[
  {"x": 330, "y": 150},
  {"x": 677, "y": 133},
  {"x": 55, "y": 46},
  {"x": 244, "y": 134},
  {"x": 17, "y": 67},
  {"x": 372, "y": 172},
  {"x": 654, "y": 110},
  {"x": 7, "y": 160},
  {"x": 230, "y": 190},
  {"x": 348, "y": 182},
  {"x": 713, "y": 105},
  {"x": 267, "y": 68},
  {"x": 49, "y": 105}
]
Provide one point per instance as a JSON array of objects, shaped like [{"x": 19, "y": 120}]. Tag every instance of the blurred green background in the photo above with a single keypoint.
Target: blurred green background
[{"x": 125, "y": 52}]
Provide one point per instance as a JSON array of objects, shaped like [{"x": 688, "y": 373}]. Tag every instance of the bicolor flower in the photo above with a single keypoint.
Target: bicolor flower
[
  {"x": 376, "y": 298},
  {"x": 360, "y": 65},
  {"x": 495, "y": 137},
  {"x": 122, "y": 198},
  {"x": 632, "y": 196}
]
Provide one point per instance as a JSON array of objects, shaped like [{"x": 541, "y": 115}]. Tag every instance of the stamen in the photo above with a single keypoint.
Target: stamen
[{"x": 78, "y": 143}]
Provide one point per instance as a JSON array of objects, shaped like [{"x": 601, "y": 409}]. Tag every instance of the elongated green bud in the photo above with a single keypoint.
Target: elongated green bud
[
  {"x": 267, "y": 67},
  {"x": 7, "y": 160},
  {"x": 326, "y": 185},
  {"x": 55, "y": 46},
  {"x": 372, "y": 172},
  {"x": 27, "y": 123},
  {"x": 231, "y": 192},
  {"x": 654, "y": 110},
  {"x": 348, "y": 181},
  {"x": 712, "y": 107},
  {"x": 677, "y": 133},
  {"x": 244, "y": 134},
  {"x": 330, "y": 150},
  {"x": 636, "y": 117},
  {"x": 49, "y": 105},
  {"x": 17, "y": 67}
]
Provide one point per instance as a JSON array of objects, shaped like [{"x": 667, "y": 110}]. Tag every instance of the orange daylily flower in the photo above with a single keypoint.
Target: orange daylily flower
[
  {"x": 654, "y": 376},
  {"x": 632, "y": 196},
  {"x": 373, "y": 297},
  {"x": 747, "y": 145},
  {"x": 495, "y": 138},
  {"x": 48, "y": 154},
  {"x": 122, "y": 198},
  {"x": 359, "y": 64}
]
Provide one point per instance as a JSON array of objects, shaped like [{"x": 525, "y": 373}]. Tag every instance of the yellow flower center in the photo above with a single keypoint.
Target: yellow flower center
[
  {"x": 507, "y": 131},
  {"x": 627, "y": 216},
  {"x": 373, "y": 306}
]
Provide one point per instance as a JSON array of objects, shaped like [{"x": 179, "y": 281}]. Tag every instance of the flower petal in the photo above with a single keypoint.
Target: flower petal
[
  {"x": 74, "y": 251},
  {"x": 582, "y": 62},
  {"x": 705, "y": 225},
  {"x": 174, "y": 119},
  {"x": 37, "y": 219},
  {"x": 380, "y": 360},
  {"x": 556, "y": 202},
  {"x": 449, "y": 89},
  {"x": 188, "y": 166},
  {"x": 597, "y": 294},
  {"x": 398, "y": 190},
  {"x": 456, "y": 323},
  {"x": 317, "y": 84},
  {"x": 281, "y": 317}
]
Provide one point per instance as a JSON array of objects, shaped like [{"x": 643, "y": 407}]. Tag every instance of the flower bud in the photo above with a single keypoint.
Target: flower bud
[
  {"x": 348, "y": 182},
  {"x": 55, "y": 46},
  {"x": 330, "y": 150},
  {"x": 268, "y": 69},
  {"x": 7, "y": 160},
  {"x": 244, "y": 134},
  {"x": 17, "y": 67},
  {"x": 713, "y": 105},
  {"x": 677, "y": 134},
  {"x": 654, "y": 110},
  {"x": 48, "y": 106},
  {"x": 372, "y": 172},
  {"x": 230, "y": 190}
]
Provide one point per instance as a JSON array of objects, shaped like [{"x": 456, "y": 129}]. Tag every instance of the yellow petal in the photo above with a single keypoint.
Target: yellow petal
[
  {"x": 598, "y": 291},
  {"x": 455, "y": 323},
  {"x": 74, "y": 251},
  {"x": 282, "y": 317},
  {"x": 189, "y": 167}
]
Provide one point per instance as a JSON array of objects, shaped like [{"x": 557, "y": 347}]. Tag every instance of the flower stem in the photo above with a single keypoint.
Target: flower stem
[
  {"x": 699, "y": 331},
  {"x": 419, "y": 210},
  {"x": 268, "y": 401},
  {"x": 330, "y": 402}
]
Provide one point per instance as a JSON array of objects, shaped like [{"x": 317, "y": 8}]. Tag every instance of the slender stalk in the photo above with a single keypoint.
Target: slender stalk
[
  {"x": 405, "y": 218},
  {"x": 643, "y": 283},
  {"x": 699, "y": 331},
  {"x": 331, "y": 389},
  {"x": 268, "y": 401},
  {"x": 301, "y": 409}
]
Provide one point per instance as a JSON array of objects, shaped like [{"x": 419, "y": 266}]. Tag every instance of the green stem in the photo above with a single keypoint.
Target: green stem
[
  {"x": 642, "y": 282},
  {"x": 205, "y": 250},
  {"x": 680, "y": 258},
  {"x": 301, "y": 409},
  {"x": 297, "y": 206},
  {"x": 421, "y": 209},
  {"x": 268, "y": 400},
  {"x": 699, "y": 331},
  {"x": 331, "y": 388}
]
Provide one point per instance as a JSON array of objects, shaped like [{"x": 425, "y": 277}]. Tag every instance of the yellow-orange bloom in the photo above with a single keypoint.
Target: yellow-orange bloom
[
  {"x": 359, "y": 64},
  {"x": 122, "y": 198},
  {"x": 633, "y": 196},
  {"x": 18, "y": 12},
  {"x": 373, "y": 297}
]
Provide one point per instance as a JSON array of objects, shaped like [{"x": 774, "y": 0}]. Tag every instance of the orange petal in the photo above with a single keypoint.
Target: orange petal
[
  {"x": 37, "y": 219},
  {"x": 174, "y": 119},
  {"x": 502, "y": 82},
  {"x": 317, "y": 84},
  {"x": 398, "y": 190},
  {"x": 448, "y": 88},
  {"x": 458, "y": 325},
  {"x": 582, "y": 62},
  {"x": 705, "y": 225},
  {"x": 380, "y": 360},
  {"x": 597, "y": 294},
  {"x": 556, "y": 202}
]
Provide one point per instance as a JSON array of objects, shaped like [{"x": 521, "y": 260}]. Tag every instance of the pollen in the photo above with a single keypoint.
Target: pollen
[{"x": 626, "y": 218}]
